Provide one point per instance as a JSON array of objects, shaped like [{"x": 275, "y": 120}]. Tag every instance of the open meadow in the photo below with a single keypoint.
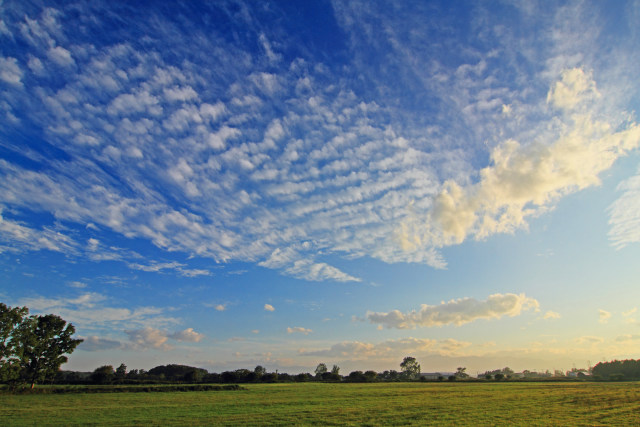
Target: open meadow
[{"x": 341, "y": 404}]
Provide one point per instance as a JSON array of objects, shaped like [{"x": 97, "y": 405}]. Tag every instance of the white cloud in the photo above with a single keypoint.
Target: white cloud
[
  {"x": 292, "y": 262},
  {"x": 10, "y": 71},
  {"x": 299, "y": 329},
  {"x": 575, "y": 87},
  {"x": 149, "y": 338},
  {"x": 188, "y": 335},
  {"x": 184, "y": 93},
  {"x": 456, "y": 312},
  {"x": 523, "y": 180},
  {"x": 220, "y": 307},
  {"x": 156, "y": 267},
  {"x": 551, "y": 315},
  {"x": 22, "y": 238},
  {"x": 603, "y": 316},
  {"x": 60, "y": 56},
  {"x": 264, "y": 41},
  {"x": 269, "y": 307},
  {"x": 218, "y": 140}
]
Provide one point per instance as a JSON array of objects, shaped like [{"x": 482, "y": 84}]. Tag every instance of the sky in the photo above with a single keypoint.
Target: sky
[{"x": 230, "y": 184}]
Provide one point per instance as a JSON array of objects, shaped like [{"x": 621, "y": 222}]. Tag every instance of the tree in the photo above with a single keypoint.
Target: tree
[
  {"x": 121, "y": 372},
  {"x": 103, "y": 374},
  {"x": 259, "y": 371},
  {"x": 370, "y": 376},
  {"x": 410, "y": 368},
  {"x": 193, "y": 376},
  {"x": 460, "y": 372},
  {"x": 320, "y": 369},
  {"x": 356, "y": 377},
  {"x": 174, "y": 372},
  {"x": 335, "y": 370},
  {"x": 41, "y": 345},
  {"x": 10, "y": 319}
]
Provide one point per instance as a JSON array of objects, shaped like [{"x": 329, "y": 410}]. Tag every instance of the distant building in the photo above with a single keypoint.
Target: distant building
[
  {"x": 436, "y": 375},
  {"x": 575, "y": 373}
]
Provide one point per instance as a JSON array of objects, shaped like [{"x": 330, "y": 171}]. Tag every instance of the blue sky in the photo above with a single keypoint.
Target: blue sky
[{"x": 226, "y": 184}]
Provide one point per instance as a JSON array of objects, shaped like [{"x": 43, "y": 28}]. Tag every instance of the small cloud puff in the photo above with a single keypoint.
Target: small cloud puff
[
  {"x": 60, "y": 56},
  {"x": 269, "y": 307},
  {"x": 10, "y": 72},
  {"x": 551, "y": 315},
  {"x": 299, "y": 329},
  {"x": 603, "y": 316},
  {"x": 149, "y": 338},
  {"x": 188, "y": 335}
]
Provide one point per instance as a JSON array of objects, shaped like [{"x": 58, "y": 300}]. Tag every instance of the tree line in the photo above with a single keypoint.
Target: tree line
[
  {"x": 173, "y": 373},
  {"x": 617, "y": 370}
]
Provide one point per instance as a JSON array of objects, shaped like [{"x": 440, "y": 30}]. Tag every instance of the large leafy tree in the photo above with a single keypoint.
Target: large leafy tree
[
  {"x": 410, "y": 368},
  {"x": 42, "y": 342},
  {"x": 10, "y": 319}
]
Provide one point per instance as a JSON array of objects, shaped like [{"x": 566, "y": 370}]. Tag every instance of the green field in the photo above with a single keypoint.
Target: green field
[{"x": 340, "y": 404}]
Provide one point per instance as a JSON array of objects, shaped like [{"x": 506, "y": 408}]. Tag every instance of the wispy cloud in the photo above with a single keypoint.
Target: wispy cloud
[
  {"x": 176, "y": 266},
  {"x": 551, "y": 315},
  {"x": 95, "y": 343},
  {"x": 356, "y": 350},
  {"x": 603, "y": 316},
  {"x": 456, "y": 312},
  {"x": 299, "y": 329},
  {"x": 19, "y": 237},
  {"x": 624, "y": 214},
  {"x": 89, "y": 312}
]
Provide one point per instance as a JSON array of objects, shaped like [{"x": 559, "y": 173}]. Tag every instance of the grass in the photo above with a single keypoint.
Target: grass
[{"x": 341, "y": 404}]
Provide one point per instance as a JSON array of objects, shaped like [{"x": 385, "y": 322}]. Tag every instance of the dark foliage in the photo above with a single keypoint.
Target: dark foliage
[{"x": 618, "y": 370}]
